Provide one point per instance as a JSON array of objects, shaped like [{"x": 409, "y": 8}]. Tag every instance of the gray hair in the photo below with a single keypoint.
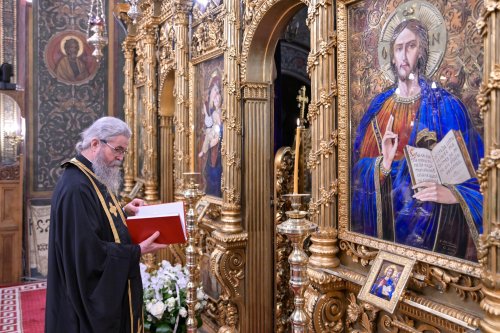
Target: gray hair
[{"x": 103, "y": 129}]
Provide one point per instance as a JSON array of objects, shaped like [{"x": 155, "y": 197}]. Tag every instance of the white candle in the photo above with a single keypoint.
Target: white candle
[{"x": 296, "y": 165}]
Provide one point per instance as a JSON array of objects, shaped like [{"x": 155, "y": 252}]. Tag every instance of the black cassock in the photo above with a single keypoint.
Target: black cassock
[{"x": 94, "y": 282}]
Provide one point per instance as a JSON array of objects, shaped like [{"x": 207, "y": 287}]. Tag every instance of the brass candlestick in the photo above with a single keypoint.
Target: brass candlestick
[
  {"x": 297, "y": 228},
  {"x": 192, "y": 195}
]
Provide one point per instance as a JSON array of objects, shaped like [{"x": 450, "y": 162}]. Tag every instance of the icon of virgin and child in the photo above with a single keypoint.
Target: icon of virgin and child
[
  {"x": 211, "y": 147},
  {"x": 444, "y": 218}
]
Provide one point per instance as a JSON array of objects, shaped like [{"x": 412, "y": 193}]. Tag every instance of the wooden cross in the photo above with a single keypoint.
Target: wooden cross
[{"x": 303, "y": 100}]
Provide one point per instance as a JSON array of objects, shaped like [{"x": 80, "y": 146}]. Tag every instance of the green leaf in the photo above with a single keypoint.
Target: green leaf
[{"x": 163, "y": 328}]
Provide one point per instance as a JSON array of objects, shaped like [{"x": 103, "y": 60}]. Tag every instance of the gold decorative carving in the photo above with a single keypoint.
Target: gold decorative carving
[
  {"x": 329, "y": 311},
  {"x": 326, "y": 198},
  {"x": 255, "y": 91},
  {"x": 207, "y": 35},
  {"x": 464, "y": 285},
  {"x": 358, "y": 253},
  {"x": 404, "y": 324},
  {"x": 361, "y": 313},
  {"x": 324, "y": 249},
  {"x": 283, "y": 304},
  {"x": 489, "y": 162},
  {"x": 327, "y": 148}
]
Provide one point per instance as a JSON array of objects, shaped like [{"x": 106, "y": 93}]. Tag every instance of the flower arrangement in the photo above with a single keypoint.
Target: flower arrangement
[{"x": 165, "y": 307}]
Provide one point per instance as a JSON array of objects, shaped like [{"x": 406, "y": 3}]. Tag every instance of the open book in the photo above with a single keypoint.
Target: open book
[
  {"x": 166, "y": 218},
  {"x": 447, "y": 163}
]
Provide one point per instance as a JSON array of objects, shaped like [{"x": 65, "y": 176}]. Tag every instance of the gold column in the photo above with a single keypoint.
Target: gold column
[
  {"x": 322, "y": 118},
  {"x": 150, "y": 131},
  {"x": 322, "y": 112},
  {"x": 181, "y": 94},
  {"x": 128, "y": 107},
  {"x": 258, "y": 211},
  {"x": 167, "y": 140},
  {"x": 232, "y": 139},
  {"x": 489, "y": 170}
]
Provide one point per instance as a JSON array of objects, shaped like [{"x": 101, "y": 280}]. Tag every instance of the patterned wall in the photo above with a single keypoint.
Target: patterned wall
[
  {"x": 63, "y": 106},
  {"x": 8, "y": 33}
]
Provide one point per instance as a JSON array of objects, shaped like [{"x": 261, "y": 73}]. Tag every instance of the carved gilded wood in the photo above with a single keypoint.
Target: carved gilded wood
[{"x": 489, "y": 171}]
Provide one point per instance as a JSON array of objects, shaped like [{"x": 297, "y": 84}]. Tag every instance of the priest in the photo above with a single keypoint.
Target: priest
[{"x": 94, "y": 283}]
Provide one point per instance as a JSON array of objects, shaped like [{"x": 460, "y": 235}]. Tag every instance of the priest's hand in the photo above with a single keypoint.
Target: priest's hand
[
  {"x": 430, "y": 191},
  {"x": 149, "y": 245},
  {"x": 133, "y": 206}
]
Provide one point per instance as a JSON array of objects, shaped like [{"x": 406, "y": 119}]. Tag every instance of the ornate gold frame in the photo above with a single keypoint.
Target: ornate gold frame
[
  {"x": 382, "y": 257},
  {"x": 344, "y": 151}
]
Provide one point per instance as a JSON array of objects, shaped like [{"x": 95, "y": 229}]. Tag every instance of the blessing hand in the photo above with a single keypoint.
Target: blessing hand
[
  {"x": 430, "y": 191},
  {"x": 133, "y": 206},
  {"x": 389, "y": 144}
]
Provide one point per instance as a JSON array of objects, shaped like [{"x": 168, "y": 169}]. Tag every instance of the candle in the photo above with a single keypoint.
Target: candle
[
  {"x": 193, "y": 156},
  {"x": 296, "y": 166}
]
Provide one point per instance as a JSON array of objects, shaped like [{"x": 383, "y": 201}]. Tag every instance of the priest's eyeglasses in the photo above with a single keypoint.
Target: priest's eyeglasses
[{"x": 116, "y": 150}]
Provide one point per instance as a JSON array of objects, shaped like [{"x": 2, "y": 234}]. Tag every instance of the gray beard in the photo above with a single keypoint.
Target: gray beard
[{"x": 108, "y": 175}]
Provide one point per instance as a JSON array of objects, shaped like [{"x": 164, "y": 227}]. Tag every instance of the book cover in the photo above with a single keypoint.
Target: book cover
[{"x": 166, "y": 218}]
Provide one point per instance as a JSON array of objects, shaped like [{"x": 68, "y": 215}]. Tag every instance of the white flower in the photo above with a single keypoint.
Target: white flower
[
  {"x": 156, "y": 309},
  {"x": 183, "y": 312},
  {"x": 200, "y": 295}
]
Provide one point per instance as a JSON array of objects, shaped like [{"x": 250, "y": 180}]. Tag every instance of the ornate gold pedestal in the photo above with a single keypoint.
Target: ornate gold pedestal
[{"x": 191, "y": 196}]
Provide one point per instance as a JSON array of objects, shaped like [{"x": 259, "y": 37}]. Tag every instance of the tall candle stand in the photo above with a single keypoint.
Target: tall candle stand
[
  {"x": 192, "y": 194},
  {"x": 297, "y": 228}
]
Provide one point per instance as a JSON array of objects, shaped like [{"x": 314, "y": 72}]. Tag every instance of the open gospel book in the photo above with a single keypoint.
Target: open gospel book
[
  {"x": 166, "y": 218},
  {"x": 447, "y": 163}
]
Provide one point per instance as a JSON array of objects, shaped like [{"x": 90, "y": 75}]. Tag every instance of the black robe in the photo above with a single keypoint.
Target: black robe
[{"x": 94, "y": 282}]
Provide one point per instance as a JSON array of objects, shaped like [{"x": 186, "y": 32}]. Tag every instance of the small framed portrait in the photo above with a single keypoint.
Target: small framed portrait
[
  {"x": 201, "y": 208},
  {"x": 386, "y": 280}
]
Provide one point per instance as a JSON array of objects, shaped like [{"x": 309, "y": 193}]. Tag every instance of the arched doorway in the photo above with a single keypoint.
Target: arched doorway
[{"x": 260, "y": 73}]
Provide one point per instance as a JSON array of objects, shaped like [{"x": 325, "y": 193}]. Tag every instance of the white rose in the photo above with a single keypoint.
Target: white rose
[
  {"x": 183, "y": 312},
  {"x": 156, "y": 309}
]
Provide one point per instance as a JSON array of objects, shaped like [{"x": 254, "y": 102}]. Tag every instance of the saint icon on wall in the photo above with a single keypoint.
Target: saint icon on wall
[
  {"x": 415, "y": 111},
  {"x": 210, "y": 126},
  {"x": 69, "y": 58}
]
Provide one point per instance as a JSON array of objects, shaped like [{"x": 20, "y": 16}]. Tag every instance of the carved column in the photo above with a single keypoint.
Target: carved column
[
  {"x": 489, "y": 170},
  {"x": 181, "y": 94},
  {"x": 259, "y": 279},
  {"x": 150, "y": 131},
  {"x": 231, "y": 116},
  {"x": 322, "y": 113},
  {"x": 167, "y": 140},
  {"x": 228, "y": 259},
  {"x": 128, "y": 107}
]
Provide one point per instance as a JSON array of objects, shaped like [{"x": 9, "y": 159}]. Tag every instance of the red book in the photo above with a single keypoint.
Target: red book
[{"x": 166, "y": 218}]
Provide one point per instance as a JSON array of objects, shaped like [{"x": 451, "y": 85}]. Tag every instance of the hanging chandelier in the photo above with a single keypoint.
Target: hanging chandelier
[
  {"x": 133, "y": 11},
  {"x": 96, "y": 29}
]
